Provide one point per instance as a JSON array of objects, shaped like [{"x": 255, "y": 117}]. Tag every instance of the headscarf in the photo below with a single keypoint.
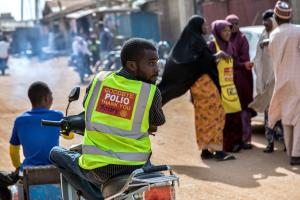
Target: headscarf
[
  {"x": 189, "y": 59},
  {"x": 217, "y": 27},
  {"x": 237, "y": 39},
  {"x": 190, "y": 43},
  {"x": 231, "y": 18}
]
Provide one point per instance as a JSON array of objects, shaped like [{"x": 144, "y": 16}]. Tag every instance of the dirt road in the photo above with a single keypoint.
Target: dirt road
[{"x": 254, "y": 175}]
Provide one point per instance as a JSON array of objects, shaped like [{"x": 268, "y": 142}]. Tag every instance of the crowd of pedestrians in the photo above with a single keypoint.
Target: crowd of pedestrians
[{"x": 219, "y": 75}]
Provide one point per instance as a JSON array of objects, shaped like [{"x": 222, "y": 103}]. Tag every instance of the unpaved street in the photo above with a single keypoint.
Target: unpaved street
[{"x": 254, "y": 175}]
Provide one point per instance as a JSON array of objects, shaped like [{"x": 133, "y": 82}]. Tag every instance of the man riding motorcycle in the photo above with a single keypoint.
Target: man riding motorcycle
[{"x": 121, "y": 109}]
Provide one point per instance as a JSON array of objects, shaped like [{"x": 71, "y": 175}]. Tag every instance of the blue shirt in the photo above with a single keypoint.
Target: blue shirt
[{"x": 36, "y": 140}]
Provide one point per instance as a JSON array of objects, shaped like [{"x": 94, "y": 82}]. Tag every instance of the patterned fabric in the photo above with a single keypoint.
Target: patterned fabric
[
  {"x": 209, "y": 114},
  {"x": 275, "y": 133}
]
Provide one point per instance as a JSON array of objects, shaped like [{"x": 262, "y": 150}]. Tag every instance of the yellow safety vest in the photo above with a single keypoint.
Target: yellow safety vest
[
  {"x": 230, "y": 98},
  {"x": 117, "y": 122}
]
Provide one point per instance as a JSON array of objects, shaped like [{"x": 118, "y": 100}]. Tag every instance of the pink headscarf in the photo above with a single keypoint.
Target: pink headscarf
[
  {"x": 238, "y": 38},
  {"x": 217, "y": 27},
  {"x": 231, "y": 18}
]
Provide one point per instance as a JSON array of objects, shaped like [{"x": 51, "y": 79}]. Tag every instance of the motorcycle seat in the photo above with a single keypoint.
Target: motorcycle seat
[{"x": 115, "y": 184}]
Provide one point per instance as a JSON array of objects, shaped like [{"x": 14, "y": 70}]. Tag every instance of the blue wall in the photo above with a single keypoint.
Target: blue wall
[{"x": 139, "y": 24}]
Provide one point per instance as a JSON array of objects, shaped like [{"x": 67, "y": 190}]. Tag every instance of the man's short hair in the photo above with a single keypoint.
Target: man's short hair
[
  {"x": 37, "y": 91},
  {"x": 267, "y": 14},
  {"x": 133, "y": 49}
]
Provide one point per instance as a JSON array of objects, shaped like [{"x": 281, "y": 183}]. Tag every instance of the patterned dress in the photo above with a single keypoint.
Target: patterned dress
[{"x": 209, "y": 114}]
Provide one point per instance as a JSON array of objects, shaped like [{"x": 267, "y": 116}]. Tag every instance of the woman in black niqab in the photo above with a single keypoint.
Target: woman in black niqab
[{"x": 189, "y": 59}]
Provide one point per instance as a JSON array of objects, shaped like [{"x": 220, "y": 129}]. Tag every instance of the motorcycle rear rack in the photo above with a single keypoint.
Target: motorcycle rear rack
[
  {"x": 160, "y": 179},
  {"x": 134, "y": 181}
]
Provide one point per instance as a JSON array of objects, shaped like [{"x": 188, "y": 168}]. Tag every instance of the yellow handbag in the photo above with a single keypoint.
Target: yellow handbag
[{"x": 230, "y": 98}]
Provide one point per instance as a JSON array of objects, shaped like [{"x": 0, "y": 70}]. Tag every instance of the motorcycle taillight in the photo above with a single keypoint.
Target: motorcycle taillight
[{"x": 160, "y": 193}]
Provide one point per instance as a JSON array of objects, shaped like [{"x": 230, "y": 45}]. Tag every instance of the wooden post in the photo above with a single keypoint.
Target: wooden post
[
  {"x": 22, "y": 10},
  {"x": 37, "y": 6}
]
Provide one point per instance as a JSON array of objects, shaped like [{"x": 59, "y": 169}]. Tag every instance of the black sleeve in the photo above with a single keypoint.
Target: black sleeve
[
  {"x": 87, "y": 92},
  {"x": 156, "y": 115}
]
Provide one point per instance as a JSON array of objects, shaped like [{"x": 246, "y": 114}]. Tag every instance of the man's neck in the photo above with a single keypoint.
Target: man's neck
[
  {"x": 39, "y": 107},
  {"x": 130, "y": 73}
]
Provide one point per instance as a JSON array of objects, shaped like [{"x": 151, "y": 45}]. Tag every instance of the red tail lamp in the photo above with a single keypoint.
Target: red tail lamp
[{"x": 160, "y": 193}]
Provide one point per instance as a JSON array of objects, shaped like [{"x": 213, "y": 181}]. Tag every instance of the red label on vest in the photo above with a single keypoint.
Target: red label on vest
[
  {"x": 228, "y": 74},
  {"x": 116, "y": 102}
]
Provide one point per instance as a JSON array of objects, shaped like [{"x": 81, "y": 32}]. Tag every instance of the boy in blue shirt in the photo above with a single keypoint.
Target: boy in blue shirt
[{"x": 36, "y": 140}]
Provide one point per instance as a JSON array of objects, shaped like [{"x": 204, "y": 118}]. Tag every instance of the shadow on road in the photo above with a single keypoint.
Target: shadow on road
[
  {"x": 235, "y": 173},
  {"x": 247, "y": 170}
]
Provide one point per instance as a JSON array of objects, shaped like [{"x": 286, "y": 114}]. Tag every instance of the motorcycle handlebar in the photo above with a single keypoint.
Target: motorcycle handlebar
[
  {"x": 156, "y": 168},
  {"x": 51, "y": 123}
]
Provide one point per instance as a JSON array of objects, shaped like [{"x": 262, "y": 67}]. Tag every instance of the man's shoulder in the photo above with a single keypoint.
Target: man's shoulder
[
  {"x": 275, "y": 32},
  {"x": 30, "y": 114},
  {"x": 56, "y": 112},
  {"x": 23, "y": 115},
  {"x": 295, "y": 28}
]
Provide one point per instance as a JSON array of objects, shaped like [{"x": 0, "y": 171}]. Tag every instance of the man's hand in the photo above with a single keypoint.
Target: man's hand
[
  {"x": 222, "y": 54},
  {"x": 264, "y": 43},
  {"x": 249, "y": 65},
  {"x": 152, "y": 129}
]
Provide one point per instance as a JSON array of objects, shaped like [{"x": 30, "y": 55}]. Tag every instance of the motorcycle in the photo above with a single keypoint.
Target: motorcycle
[
  {"x": 112, "y": 61},
  {"x": 147, "y": 183}
]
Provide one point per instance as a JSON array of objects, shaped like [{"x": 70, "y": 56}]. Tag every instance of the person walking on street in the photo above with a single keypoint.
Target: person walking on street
[
  {"x": 242, "y": 77},
  {"x": 284, "y": 49},
  {"x": 265, "y": 79},
  {"x": 106, "y": 38},
  {"x": 4, "y": 54},
  {"x": 121, "y": 109},
  {"x": 232, "y": 133},
  {"x": 81, "y": 57}
]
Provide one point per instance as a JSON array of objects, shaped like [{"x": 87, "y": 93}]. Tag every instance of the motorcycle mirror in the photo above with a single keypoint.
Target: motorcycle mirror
[{"x": 74, "y": 94}]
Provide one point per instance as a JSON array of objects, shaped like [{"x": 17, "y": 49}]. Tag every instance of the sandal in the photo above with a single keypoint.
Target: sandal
[{"x": 222, "y": 156}]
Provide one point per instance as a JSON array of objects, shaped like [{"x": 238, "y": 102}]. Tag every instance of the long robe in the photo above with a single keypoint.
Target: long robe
[
  {"x": 285, "y": 103},
  {"x": 265, "y": 79},
  {"x": 243, "y": 78}
]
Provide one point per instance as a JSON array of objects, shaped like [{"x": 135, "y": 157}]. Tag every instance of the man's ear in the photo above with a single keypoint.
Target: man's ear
[{"x": 132, "y": 66}]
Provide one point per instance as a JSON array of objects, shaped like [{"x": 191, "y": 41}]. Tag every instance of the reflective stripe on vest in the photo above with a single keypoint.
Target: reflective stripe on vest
[{"x": 133, "y": 156}]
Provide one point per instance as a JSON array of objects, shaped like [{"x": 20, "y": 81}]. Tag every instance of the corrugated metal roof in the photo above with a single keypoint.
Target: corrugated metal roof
[{"x": 79, "y": 8}]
